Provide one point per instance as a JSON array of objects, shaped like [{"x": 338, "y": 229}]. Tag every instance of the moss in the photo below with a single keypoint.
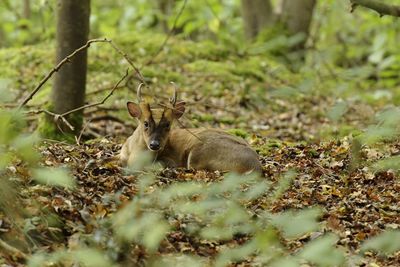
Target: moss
[
  {"x": 49, "y": 130},
  {"x": 227, "y": 120},
  {"x": 269, "y": 147},
  {"x": 338, "y": 131},
  {"x": 203, "y": 117},
  {"x": 239, "y": 132}
]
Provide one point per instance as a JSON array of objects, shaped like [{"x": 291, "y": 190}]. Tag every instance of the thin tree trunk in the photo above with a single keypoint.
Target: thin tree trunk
[
  {"x": 296, "y": 17},
  {"x": 166, "y": 7},
  {"x": 257, "y": 14},
  {"x": 27, "y": 9},
  {"x": 72, "y": 32}
]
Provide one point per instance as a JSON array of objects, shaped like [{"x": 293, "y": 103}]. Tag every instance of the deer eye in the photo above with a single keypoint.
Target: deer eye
[
  {"x": 167, "y": 125},
  {"x": 146, "y": 124}
]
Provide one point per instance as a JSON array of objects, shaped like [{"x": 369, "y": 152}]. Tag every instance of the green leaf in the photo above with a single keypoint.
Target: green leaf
[
  {"x": 91, "y": 257},
  {"x": 387, "y": 164},
  {"x": 5, "y": 159},
  {"x": 337, "y": 111},
  {"x": 180, "y": 190},
  {"x": 283, "y": 184},
  {"x": 143, "y": 161},
  {"x": 145, "y": 181},
  {"x": 286, "y": 262},
  {"x": 217, "y": 233},
  {"x": 180, "y": 260},
  {"x": 214, "y": 25},
  {"x": 232, "y": 255},
  {"x": 11, "y": 125},
  {"x": 55, "y": 177},
  {"x": 323, "y": 252},
  {"x": 24, "y": 146},
  {"x": 5, "y": 93},
  {"x": 155, "y": 233},
  {"x": 375, "y": 134},
  {"x": 37, "y": 260},
  {"x": 297, "y": 223},
  {"x": 389, "y": 117},
  {"x": 386, "y": 243},
  {"x": 255, "y": 191}
]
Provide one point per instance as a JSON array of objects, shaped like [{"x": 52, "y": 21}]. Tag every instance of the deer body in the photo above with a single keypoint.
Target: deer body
[{"x": 208, "y": 149}]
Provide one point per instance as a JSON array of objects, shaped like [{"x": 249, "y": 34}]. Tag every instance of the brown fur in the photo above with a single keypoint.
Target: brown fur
[{"x": 208, "y": 149}]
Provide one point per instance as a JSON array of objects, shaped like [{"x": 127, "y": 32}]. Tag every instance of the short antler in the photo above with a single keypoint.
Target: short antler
[
  {"x": 172, "y": 100},
  {"x": 139, "y": 92}
]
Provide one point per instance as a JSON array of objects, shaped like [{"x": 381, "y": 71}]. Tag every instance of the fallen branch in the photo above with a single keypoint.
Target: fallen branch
[
  {"x": 68, "y": 59},
  {"x": 381, "y": 8}
]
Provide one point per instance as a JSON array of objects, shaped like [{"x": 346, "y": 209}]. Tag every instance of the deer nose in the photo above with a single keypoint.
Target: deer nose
[{"x": 154, "y": 145}]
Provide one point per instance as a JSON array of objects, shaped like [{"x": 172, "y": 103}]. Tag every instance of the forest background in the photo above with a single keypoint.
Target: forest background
[{"x": 313, "y": 86}]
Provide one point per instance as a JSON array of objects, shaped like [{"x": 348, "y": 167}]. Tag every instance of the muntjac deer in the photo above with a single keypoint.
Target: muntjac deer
[{"x": 208, "y": 149}]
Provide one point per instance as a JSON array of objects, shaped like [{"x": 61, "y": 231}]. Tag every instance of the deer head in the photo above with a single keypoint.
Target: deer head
[{"x": 155, "y": 123}]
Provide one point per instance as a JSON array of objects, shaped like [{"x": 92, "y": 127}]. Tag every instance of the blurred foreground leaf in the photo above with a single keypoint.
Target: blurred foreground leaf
[
  {"x": 385, "y": 243},
  {"x": 297, "y": 223},
  {"x": 55, "y": 177},
  {"x": 322, "y": 252},
  {"x": 392, "y": 163}
]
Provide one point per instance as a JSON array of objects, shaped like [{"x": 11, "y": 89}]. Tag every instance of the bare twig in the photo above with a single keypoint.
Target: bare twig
[
  {"x": 179, "y": 122},
  {"x": 125, "y": 55},
  {"x": 381, "y": 8},
  {"x": 170, "y": 33},
  {"x": 56, "y": 68},
  {"x": 62, "y": 116},
  {"x": 189, "y": 131},
  {"x": 100, "y": 90},
  {"x": 68, "y": 59},
  {"x": 56, "y": 117},
  {"x": 13, "y": 250},
  {"x": 98, "y": 103},
  {"x": 78, "y": 139}
]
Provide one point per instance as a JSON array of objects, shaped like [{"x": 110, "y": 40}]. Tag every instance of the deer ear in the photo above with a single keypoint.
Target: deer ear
[
  {"x": 134, "y": 109},
  {"x": 179, "y": 109}
]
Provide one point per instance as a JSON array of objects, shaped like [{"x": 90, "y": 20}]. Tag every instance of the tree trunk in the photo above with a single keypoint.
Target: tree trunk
[
  {"x": 166, "y": 7},
  {"x": 257, "y": 14},
  {"x": 70, "y": 81},
  {"x": 27, "y": 9},
  {"x": 296, "y": 17}
]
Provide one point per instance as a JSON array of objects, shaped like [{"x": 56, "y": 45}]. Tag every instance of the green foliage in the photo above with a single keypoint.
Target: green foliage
[
  {"x": 214, "y": 212},
  {"x": 16, "y": 30},
  {"x": 354, "y": 58},
  {"x": 322, "y": 252},
  {"x": 17, "y": 149},
  {"x": 55, "y": 177},
  {"x": 391, "y": 163},
  {"x": 85, "y": 256},
  {"x": 296, "y": 224},
  {"x": 337, "y": 111},
  {"x": 386, "y": 243}
]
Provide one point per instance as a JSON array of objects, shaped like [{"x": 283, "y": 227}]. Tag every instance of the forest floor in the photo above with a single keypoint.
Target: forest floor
[{"x": 290, "y": 122}]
